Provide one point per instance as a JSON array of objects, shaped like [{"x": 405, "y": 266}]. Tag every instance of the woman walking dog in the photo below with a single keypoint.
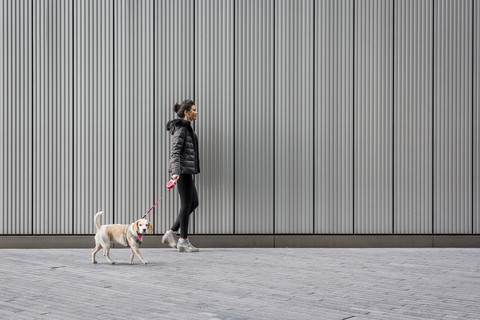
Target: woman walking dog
[{"x": 183, "y": 164}]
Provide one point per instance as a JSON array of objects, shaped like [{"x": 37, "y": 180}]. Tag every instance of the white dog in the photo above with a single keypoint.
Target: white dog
[{"x": 126, "y": 235}]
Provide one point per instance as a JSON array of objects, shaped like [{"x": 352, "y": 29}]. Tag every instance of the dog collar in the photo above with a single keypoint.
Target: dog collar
[{"x": 137, "y": 239}]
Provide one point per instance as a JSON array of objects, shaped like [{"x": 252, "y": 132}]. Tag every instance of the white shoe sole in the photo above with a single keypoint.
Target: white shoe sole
[{"x": 182, "y": 249}]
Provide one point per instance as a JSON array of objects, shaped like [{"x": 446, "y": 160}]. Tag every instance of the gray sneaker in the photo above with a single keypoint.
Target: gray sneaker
[
  {"x": 169, "y": 238},
  {"x": 185, "y": 246}
]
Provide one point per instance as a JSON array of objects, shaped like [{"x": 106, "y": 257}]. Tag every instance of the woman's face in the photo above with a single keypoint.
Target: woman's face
[{"x": 192, "y": 114}]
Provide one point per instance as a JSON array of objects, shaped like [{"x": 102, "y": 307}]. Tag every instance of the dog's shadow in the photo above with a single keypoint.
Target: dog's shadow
[{"x": 122, "y": 264}]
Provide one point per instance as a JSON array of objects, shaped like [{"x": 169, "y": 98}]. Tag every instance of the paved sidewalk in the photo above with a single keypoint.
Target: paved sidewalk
[{"x": 242, "y": 284}]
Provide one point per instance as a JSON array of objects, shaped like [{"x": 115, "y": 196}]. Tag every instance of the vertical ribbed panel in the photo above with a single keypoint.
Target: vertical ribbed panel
[
  {"x": 413, "y": 86},
  {"x": 452, "y": 116},
  {"x": 214, "y": 97},
  {"x": 373, "y": 116},
  {"x": 476, "y": 119},
  {"x": 174, "y": 52},
  {"x": 53, "y": 119},
  {"x": 253, "y": 116},
  {"x": 78, "y": 125},
  {"x": 133, "y": 112},
  {"x": 4, "y": 186},
  {"x": 293, "y": 115},
  {"x": 93, "y": 112},
  {"x": 16, "y": 117},
  {"x": 333, "y": 116}
]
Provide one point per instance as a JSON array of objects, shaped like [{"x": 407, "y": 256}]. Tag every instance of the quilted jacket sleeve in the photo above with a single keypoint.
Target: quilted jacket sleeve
[{"x": 178, "y": 140}]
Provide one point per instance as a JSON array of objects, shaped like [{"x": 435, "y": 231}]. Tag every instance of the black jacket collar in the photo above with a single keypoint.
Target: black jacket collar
[{"x": 173, "y": 125}]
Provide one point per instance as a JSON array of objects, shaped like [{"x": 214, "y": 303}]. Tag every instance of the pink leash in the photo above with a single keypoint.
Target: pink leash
[{"x": 170, "y": 185}]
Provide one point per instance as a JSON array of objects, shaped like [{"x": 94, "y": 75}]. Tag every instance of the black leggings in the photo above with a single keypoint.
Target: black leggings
[{"x": 189, "y": 200}]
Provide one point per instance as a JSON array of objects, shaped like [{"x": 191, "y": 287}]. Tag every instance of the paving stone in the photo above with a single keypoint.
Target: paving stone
[{"x": 420, "y": 283}]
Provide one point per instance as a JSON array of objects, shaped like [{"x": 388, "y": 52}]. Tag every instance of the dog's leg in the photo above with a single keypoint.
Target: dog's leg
[
  {"x": 106, "y": 253},
  {"x": 97, "y": 248},
  {"x": 132, "y": 254},
  {"x": 137, "y": 251},
  {"x": 105, "y": 242}
]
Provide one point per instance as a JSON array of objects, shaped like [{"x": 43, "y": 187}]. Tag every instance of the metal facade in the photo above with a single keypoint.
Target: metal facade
[
  {"x": 373, "y": 116},
  {"x": 476, "y": 118},
  {"x": 413, "y": 110},
  {"x": 213, "y": 52},
  {"x": 452, "y": 116},
  {"x": 254, "y": 115},
  {"x": 133, "y": 111},
  {"x": 315, "y": 116},
  {"x": 16, "y": 117},
  {"x": 173, "y": 77},
  {"x": 293, "y": 115},
  {"x": 93, "y": 113},
  {"x": 52, "y": 117},
  {"x": 333, "y": 109}
]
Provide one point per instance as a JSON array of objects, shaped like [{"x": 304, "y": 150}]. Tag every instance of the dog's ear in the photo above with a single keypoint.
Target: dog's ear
[
  {"x": 135, "y": 226},
  {"x": 150, "y": 228}
]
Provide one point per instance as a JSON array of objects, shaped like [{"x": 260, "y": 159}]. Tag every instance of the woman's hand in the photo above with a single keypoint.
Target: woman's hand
[{"x": 175, "y": 177}]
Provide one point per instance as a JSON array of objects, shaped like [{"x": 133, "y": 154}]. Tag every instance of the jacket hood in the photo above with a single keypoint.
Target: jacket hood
[{"x": 173, "y": 125}]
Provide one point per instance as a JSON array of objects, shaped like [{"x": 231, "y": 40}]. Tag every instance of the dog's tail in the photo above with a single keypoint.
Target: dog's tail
[{"x": 96, "y": 219}]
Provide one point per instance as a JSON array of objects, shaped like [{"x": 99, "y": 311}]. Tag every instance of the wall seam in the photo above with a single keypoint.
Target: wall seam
[
  {"x": 273, "y": 124},
  {"x": 472, "y": 116},
  {"x": 353, "y": 123},
  {"x": 393, "y": 118},
  {"x": 313, "y": 119},
  {"x": 234, "y": 116},
  {"x": 433, "y": 117}
]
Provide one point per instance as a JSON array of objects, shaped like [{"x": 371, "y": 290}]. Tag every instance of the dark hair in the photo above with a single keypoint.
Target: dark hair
[{"x": 180, "y": 108}]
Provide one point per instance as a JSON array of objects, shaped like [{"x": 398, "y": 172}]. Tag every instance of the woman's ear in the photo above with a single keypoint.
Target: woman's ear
[{"x": 150, "y": 228}]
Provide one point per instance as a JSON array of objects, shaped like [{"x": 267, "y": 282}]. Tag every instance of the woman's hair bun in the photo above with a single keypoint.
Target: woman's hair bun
[
  {"x": 180, "y": 108},
  {"x": 176, "y": 107}
]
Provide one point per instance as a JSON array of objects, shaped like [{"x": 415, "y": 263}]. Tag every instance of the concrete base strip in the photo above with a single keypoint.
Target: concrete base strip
[{"x": 256, "y": 241}]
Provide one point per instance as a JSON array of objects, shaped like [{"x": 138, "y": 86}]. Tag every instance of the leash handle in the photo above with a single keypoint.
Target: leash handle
[{"x": 170, "y": 185}]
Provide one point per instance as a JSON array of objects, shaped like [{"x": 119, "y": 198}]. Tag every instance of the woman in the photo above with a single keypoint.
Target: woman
[{"x": 183, "y": 164}]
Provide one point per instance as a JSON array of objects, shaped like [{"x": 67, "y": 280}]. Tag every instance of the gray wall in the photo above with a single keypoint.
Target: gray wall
[
  {"x": 315, "y": 116},
  {"x": 413, "y": 114}
]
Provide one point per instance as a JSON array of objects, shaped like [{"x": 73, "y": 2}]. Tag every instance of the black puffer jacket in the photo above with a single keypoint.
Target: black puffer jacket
[{"x": 184, "y": 157}]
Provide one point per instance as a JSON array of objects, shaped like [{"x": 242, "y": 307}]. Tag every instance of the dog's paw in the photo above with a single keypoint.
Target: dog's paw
[
  {"x": 146, "y": 262},
  {"x": 130, "y": 263},
  {"x": 112, "y": 262},
  {"x": 94, "y": 261}
]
